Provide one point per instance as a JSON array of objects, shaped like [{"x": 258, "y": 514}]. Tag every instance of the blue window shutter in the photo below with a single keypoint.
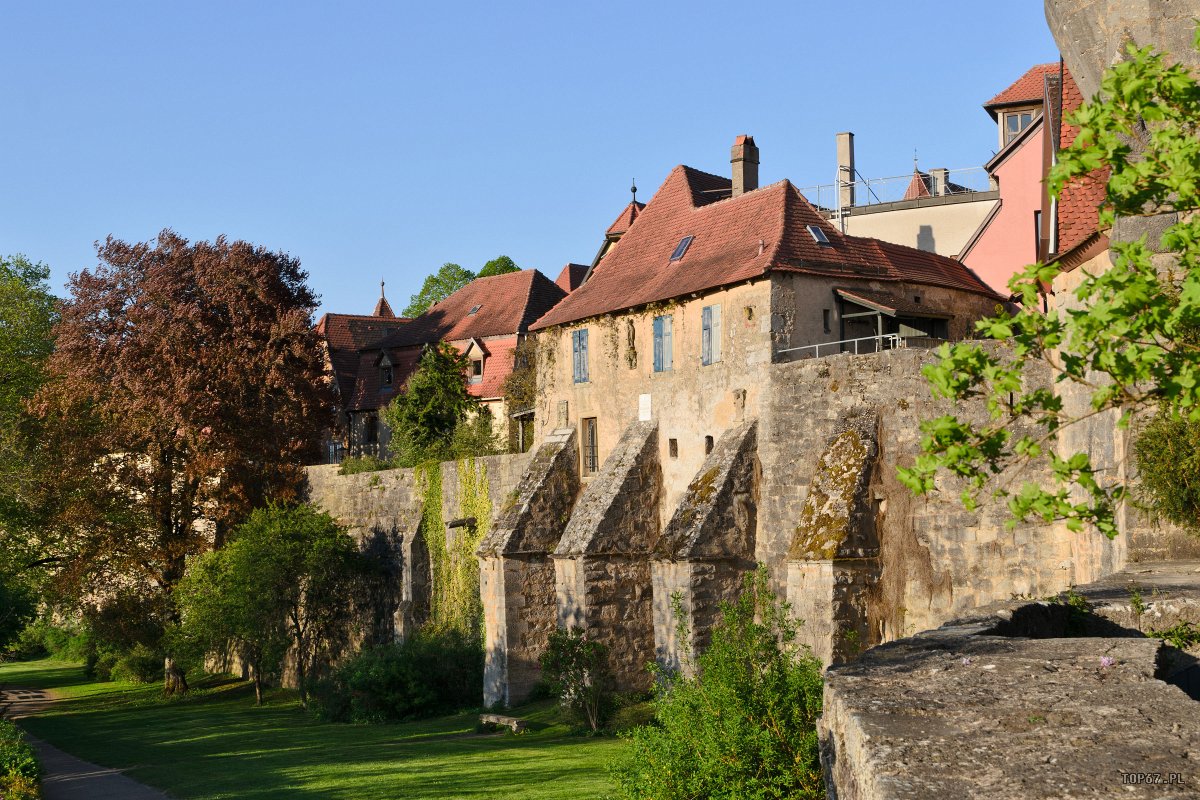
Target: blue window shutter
[
  {"x": 658, "y": 344},
  {"x": 575, "y": 355},
  {"x": 706, "y": 335},
  {"x": 668, "y": 346},
  {"x": 583, "y": 355},
  {"x": 714, "y": 337}
]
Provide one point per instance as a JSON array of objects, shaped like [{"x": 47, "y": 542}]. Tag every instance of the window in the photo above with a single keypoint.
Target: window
[
  {"x": 579, "y": 355},
  {"x": 386, "y": 376},
  {"x": 818, "y": 235},
  {"x": 673, "y": 447},
  {"x": 371, "y": 430},
  {"x": 708, "y": 444},
  {"x": 591, "y": 461},
  {"x": 825, "y": 320},
  {"x": 474, "y": 310},
  {"x": 681, "y": 248},
  {"x": 710, "y": 335},
  {"x": 476, "y": 374},
  {"x": 1015, "y": 122},
  {"x": 662, "y": 344}
]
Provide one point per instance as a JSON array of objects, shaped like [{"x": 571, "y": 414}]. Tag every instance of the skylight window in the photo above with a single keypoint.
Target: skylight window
[
  {"x": 474, "y": 309},
  {"x": 818, "y": 235},
  {"x": 681, "y": 248}
]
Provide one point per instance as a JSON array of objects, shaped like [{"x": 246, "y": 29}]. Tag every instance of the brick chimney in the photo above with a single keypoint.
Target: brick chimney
[{"x": 744, "y": 157}]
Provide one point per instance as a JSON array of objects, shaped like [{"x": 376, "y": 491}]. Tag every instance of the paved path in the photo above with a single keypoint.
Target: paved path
[{"x": 67, "y": 777}]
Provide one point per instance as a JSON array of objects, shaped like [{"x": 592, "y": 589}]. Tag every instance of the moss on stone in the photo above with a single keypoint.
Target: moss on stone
[{"x": 825, "y": 517}]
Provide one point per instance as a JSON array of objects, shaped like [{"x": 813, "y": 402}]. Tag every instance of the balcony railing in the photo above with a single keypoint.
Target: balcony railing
[
  {"x": 862, "y": 345},
  {"x": 874, "y": 191}
]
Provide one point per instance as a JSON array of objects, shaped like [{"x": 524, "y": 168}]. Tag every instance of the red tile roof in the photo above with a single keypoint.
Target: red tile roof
[
  {"x": 1079, "y": 203},
  {"x": 736, "y": 239},
  {"x": 625, "y": 218},
  {"x": 345, "y": 335},
  {"x": 506, "y": 303},
  {"x": 571, "y": 276},
  {"x": 1027, "y": 89},
  {"x": 383, "y": 308},
  {"x": 918, "y": 186}
]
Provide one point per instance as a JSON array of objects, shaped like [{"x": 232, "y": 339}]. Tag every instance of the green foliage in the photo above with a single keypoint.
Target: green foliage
[
  {"x": 287, "y": 579},
  {"x": 1182, "y": 635},
  {"x": 357, "y": 464},
  {"x": 520, "y": 388},
  {"x": 437, "y": 287},
  {"x": 432, "y": 672},
  {"x": 454, "y": 569},
  {"x": 1130, "y": 343},
  {"x": 17, "y": 757},
  {"x": 745, "y": 725},
  {"x": 1168, "y": 461},
  {"x": 18, "y": 606},
  {"x": 433, "y": 403},
  {"x": 499, "y": 265},
  {"x": 1136, "y": 603},
  {"x": 18, "y": 787},
  {"x": 575, "y": 669}
]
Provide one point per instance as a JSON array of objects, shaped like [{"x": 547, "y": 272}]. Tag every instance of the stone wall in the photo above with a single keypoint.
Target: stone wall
[
  {"x": 382, "y": 511},
  {"x": 935, "y": 558}
]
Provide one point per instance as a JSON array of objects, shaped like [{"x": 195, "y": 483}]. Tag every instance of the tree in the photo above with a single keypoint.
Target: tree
[
  {"x": 434, "y": 400},
  {"x": 1130, "y": 346},
  {"x": 27, "y": 315},
  {"x": 744, "y": 725},
  {"x": 437, "y": 287},
  {"x": 286, "y": 580},
  {"x": 185, "y": 390},
  {"x": 576, "y": 669},
  {"x": 500, "y": 265}
]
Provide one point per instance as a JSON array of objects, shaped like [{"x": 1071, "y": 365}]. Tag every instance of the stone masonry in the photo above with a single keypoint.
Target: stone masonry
[
  {"x": 516, "y": 575},
  {"x": 707, "y": 546},
  {"x": 602, "y": 563}
]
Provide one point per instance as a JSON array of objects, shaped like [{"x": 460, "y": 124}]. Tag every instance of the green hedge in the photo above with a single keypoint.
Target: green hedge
[{"x": 20, "y": 770}]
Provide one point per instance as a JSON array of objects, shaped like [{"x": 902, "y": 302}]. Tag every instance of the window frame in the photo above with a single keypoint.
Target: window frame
[
  {"x": 710, "y": 335},
  {"x": 589, "y": 451}
]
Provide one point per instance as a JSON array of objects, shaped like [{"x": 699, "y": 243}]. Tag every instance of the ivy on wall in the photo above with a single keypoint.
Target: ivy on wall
[{"x": 454, "y": 569}]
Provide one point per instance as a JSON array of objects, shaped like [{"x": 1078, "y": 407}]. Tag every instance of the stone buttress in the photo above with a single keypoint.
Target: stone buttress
[
  {"x": 833, "y": 561},
  {"x": 516, "y": 575},
  {"x": 707, "y": 547},
  {"x": 602, "y": 563}
]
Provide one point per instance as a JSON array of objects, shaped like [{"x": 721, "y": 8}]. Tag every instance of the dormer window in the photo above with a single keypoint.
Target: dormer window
[
  {"x": 1012, "y": 123},
  {"x": 476, "y": 373},
  {"x": 681, "y": 248},
  {"x": 386, "y": 375}
]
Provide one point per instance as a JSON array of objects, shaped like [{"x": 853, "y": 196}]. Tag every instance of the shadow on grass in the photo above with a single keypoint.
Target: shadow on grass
[{"x": 214, "y": 743}]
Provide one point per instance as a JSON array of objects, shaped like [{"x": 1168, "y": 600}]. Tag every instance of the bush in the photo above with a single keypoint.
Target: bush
[
  {"x": 745, "y": 725},
  {"x": 357, "y": 464},
  {"x": 430, "y": 673},
  {"x": 18, "y": 787},
  {"x": 576, "y": 670},
  {"x": 17, "y": 757}
]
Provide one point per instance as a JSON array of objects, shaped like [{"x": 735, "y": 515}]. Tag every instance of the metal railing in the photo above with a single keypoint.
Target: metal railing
[
  {"x": 888, "y": 341},
  {"x": 874, "y": 191}
]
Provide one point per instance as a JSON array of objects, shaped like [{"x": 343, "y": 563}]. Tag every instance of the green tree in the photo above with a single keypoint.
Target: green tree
[
  {"x": 287, "y": 580},
  {"x": 1129, "y": 346},
  {"x": 27, "y": 317},
  {"x": 744, "y": 726},
  {"x": 434, "y": 401},
  {"x": 499, "y": 265},
  {"x": 437, "y": 287},
  {"x": 576, "y": 669}
]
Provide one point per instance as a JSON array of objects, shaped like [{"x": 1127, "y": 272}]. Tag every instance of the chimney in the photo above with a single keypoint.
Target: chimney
[
  {"x": 744, "y": 157},
  {"x": 938, "y": 179},
  {"x": 845, "y": 174}
]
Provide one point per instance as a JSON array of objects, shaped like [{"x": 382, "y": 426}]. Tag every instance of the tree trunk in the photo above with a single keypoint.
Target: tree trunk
[
  {"x": 174, "y": 681},
  {"x": 258, "y": 688}
]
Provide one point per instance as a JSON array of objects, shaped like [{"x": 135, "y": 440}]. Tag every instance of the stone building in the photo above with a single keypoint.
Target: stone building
[
  {"x": 484, "y": 320},
  {"x": 712, "y": 281}
]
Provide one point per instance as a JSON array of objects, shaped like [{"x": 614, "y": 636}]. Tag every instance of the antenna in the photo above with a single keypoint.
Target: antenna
[{"x": 915, "y": 160}]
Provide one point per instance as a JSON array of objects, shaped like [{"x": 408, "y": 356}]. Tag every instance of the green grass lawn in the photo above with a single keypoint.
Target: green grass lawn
[{"x": 214, "y": 743}]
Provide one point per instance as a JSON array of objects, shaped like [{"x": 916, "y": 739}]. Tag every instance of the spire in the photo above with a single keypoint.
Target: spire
[
  {"x": 382, "y": 309},
  {"x": 633, "y": 190}
]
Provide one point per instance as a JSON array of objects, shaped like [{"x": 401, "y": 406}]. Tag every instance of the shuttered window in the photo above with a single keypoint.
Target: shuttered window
[
  {"x": 710, "y": 335},
  {"x": 579, "y": 353},
  {"x": 663, "y": 361}
]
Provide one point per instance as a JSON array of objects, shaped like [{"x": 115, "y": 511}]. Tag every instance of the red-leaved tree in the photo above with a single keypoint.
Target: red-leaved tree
[{"x": 185, "y": 389}]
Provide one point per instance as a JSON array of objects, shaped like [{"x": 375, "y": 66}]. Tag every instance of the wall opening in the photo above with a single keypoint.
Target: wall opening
[
  {"x": 673, "y": 448},
  {"x": 708, "y": 444}
]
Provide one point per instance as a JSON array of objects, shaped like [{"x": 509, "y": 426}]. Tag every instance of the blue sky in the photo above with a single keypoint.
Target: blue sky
[{"x": 376, "y": 140}]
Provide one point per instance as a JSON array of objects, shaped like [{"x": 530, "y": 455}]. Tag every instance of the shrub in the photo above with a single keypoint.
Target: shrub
[
  {"x": 745, "y": 725},
  {"x": 430, "y": 673},
  {"x": 576, "y": 670},
  {"x": 16, "y": 755},
  {"x": 18, "y": 787},
  {"x": 357, "y": 464}
]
